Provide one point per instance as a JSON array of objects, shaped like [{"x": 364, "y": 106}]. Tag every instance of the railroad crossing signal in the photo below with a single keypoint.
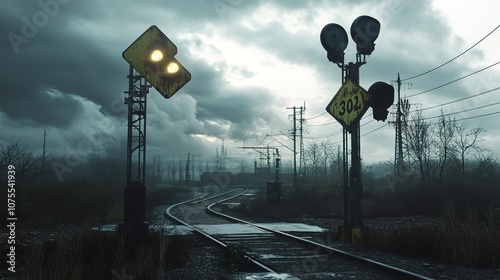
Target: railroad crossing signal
[
  {"x": 152, "y": 55},
  {"x": 349, "y": 104}
]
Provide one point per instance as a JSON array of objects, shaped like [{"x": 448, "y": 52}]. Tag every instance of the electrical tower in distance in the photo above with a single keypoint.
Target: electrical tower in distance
[
  {"x": 297, "y": 112},
  {"x": 402, "y": 111},
  {"x": 302, "y": 161}
]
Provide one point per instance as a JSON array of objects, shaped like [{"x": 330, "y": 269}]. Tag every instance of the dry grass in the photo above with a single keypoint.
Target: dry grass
[
  {"x": 471, "y": 239},
  {"x": 97, "y": 256}
]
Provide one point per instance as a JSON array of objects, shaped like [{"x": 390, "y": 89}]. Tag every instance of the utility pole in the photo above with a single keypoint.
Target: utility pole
[
  {"x": 302, "y": 162},
  {"x": 294, "y": 146},
  {"x": 398, "y": 131},
  {"x": 300, "y": 112},
  {"x": 265, "y": 155},
  {"x": 43, "y": 152},
  {"x": 294, "y": 138},
  {"x": 192, "y": 169},
  {"x": 187, "y": 171}
]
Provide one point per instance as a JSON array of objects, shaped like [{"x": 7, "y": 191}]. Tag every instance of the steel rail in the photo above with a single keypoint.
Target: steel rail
[
  {"x": 330, "y": 250},
  {"x": 218, "y": 242}
]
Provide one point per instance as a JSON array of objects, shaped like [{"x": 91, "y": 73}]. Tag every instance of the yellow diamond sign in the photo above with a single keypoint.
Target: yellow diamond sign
[
  {"x": 152, "y": 55},
  {"x": 349, "y": 104}
]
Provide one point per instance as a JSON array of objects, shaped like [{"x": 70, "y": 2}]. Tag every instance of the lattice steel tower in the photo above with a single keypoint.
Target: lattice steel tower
[
  {"x": 403, "y": 108},
  {"x": 136, "y": 134}
]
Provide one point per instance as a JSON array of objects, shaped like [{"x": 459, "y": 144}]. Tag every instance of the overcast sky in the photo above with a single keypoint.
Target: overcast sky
[{"x": 62, "y": 70}]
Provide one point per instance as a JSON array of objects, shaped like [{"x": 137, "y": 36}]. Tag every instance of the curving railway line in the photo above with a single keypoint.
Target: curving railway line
[{"x": 283, "y": 254}]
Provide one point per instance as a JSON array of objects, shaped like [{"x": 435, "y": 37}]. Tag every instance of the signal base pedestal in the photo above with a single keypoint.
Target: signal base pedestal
[{"x": 352, "y": 235}]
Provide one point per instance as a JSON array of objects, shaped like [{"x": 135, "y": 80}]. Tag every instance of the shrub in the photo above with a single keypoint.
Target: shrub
[{"x": 70, "y": 202}]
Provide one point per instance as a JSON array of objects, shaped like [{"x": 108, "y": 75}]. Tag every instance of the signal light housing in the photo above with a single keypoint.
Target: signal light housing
[
  {"x": 364, "y": 31},
  {"x": 383, "y": 97}
]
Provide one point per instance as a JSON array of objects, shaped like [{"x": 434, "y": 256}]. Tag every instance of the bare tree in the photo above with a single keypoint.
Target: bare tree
[
  {"x": 466, "y": 141},
  {"x": 312, "y": 154},
  {"x": 28, "y": 165},
  {"x": 446, "y": 129},
  {"x": 181, "y": 170},
  {"x": 326, "y": 149},
  {"x": 486, "y": 170},
  {"x": 337, "y": 164},
  {"x": 419, "y": 136},
  {"x": 173, "y": 169},
  {"x": 157, "y": 169}
]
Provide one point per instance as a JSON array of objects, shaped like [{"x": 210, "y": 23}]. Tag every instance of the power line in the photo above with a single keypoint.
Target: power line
[
  {"x": 323, "y": 124},
  {"x": 371, "y": 131},
  {"x": 337, "y": 132},
  {"x": 480, "y": 116},
  {"x": 325, "y": 136},
  {"x": 458, "y": 100},
  {"x": 315, "y": 116},
  {"x": 435, "y": 68},
  {"x": 332, "y": 122},
  {"x": 463, "y": 119},
  {"x": 467, "y": 110},
  {"x": 456, "y": 80}
]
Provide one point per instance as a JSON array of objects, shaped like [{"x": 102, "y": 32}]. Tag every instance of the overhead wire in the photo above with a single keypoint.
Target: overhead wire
[
  {"x": 332, "y": 122},
  {"x": 463, "y": 111},
  {"x": 323, "y": 124},
  {"x": 432, "y": 107},
  {"x": 315, "y": 116},
  {"x": 480, "y": 116},
  {"x": 439, "y": 66},
  {"x": 456, "y": 80},
  {"x": 443, "y": 85},
  {"x": 458, "y": 100},
  {"x": 336, "y": 132},
  {"x": 371, "y": 131}
]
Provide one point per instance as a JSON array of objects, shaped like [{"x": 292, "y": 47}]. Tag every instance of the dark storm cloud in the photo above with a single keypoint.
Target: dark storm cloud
[
  {"x": 219, "y": 102},
  {"x": 66, "y": 45},
  {"x": 43, "y": 53},
  {"x": 405, "y": 26},
  {"x": 74, "y": 56},
  {"x": 45, "y": 108}
]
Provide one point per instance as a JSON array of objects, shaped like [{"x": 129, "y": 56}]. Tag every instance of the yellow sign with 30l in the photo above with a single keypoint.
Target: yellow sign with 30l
[{"x": 349, "y": 104}]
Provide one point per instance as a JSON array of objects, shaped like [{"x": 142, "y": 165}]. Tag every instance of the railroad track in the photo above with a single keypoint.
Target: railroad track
[{"x": 275, "y": 251}]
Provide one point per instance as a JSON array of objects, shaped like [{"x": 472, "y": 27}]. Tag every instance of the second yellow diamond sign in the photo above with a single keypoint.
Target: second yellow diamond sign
[{"x": 349, "y": 104}]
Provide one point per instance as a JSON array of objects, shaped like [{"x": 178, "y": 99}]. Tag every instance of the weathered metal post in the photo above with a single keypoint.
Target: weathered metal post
[{"x": 348, "y": 106}]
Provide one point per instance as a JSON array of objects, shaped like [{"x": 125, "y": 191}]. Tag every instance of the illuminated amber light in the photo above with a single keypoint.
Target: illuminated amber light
[
  {"x": 156, "y": 55},
  {"x": 172, "y": 68}
]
